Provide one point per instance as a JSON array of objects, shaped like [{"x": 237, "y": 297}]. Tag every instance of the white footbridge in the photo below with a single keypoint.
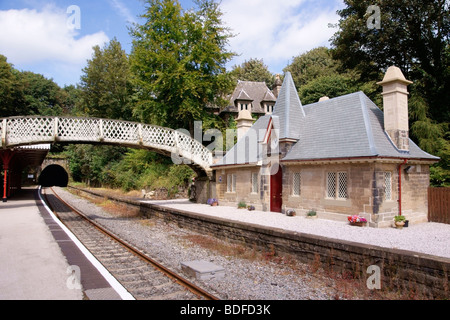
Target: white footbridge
[{"x": 32, "y": 130}]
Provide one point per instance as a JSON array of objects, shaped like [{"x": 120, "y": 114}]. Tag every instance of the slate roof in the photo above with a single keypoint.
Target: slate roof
[
  {"x": 349, "y": 126},
  {"x": 257, "y": 92},
  {"x": 289, "y": 109}
]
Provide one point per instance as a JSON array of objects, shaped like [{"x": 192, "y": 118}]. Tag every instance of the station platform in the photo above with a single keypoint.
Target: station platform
[{"x": 41, "y": 260}]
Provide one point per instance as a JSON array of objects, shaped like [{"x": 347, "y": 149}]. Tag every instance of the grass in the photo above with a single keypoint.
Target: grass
[{"x": 112, "y": 207}]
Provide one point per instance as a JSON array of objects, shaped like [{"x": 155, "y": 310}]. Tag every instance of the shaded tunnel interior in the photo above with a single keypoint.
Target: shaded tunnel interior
[{"x": 53, "y": 176}]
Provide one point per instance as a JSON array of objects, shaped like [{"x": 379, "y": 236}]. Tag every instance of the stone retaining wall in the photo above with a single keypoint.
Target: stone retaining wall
[{"x": 399, "y": 269}]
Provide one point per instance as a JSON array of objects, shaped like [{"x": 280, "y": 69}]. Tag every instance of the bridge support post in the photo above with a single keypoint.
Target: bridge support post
[
  {"x": 6, "y": 156},
  {"x": 205, "y": 188}
]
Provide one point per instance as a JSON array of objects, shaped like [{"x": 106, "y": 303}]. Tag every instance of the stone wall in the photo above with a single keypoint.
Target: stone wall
[
  {"x": 243, "y": 187},
  {"x": 365, "y": 188},
  {"x": 400, "y": 269}
]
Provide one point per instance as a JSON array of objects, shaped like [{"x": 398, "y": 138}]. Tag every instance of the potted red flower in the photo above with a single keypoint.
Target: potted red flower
[{"x": 356, "y": 220}]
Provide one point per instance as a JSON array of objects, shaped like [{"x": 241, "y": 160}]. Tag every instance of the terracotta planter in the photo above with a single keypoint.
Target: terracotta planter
[
  {"x": 214, "y": 204},
  {"x": 358, "y": 224},
  {"x": 399, "y": 224}
]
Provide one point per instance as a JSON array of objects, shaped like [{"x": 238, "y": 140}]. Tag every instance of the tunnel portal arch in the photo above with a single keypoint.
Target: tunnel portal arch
[{"x": 53, "y": 175}]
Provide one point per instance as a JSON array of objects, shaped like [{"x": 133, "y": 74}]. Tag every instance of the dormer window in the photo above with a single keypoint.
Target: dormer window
[{"x": 269, "y": 108}]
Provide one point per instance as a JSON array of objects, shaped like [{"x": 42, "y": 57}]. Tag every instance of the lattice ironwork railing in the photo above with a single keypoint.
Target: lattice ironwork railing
[{"x": 18, "y": 131}]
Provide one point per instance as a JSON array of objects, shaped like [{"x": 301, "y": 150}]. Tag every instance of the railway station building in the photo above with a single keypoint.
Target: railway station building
[{"x": 338, "y": 157}]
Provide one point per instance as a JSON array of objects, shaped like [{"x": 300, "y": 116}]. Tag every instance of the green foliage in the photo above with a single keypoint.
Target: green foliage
[
  {"x": 331, "y": 86},
  {"x": 106, "y": 89},
  {"x": 317, "y": 74},
  {"x": 178, "y": 60},
  {"x": 88, "y": 163},
  {"x": 312, "y": 64},
  {"x": 311, "y": 213},
  {"x": 42, "y": 96},
  {"x": 27, "y": 93},
  {"x": 253, "y": 70},
  {"x": 72, "y": 101},
  {"x": 414, "y": 36},
  {"x": 126, "y": 169},
  {"x": 242, "y": 205},
  {"x": 11, "y": 93}
]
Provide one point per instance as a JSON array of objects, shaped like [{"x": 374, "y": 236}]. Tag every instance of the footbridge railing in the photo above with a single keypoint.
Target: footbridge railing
[{"x": 18, "y": 131}]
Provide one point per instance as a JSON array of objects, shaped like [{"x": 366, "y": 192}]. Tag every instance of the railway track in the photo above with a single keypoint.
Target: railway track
[{"x": 143, "y": 277}]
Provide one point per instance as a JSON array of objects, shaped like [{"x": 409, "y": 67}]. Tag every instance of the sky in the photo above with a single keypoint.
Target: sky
[{"x": 55, "y": 38}]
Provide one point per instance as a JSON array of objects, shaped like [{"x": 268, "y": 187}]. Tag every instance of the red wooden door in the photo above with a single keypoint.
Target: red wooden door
[{"x": 276, "y": 190}]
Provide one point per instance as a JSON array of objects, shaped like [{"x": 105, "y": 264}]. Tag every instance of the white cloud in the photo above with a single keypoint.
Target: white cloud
[
  {"x": 123, "y": 10},
  {"x": 276, "y": 31},
  {"x": 30, "y": 36}
]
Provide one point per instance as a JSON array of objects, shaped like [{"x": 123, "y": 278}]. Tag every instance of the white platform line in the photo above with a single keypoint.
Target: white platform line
[{"x": 116, "y": 285}]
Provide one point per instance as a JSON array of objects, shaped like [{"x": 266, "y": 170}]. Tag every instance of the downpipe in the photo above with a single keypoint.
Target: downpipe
[{"x": 400, "y": 186}]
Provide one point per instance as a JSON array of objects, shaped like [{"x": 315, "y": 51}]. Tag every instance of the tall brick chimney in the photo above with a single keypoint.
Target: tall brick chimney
[{"x": 395, "y": 107}]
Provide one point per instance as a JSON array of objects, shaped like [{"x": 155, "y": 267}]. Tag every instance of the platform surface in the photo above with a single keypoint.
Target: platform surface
[{"x": 39, "y": 261}]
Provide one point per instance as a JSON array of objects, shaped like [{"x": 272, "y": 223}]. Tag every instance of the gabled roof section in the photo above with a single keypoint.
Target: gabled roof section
[
  {"x": 289, "y": 109},
  {"x": 243, "y": 96},
  {"x": 257, "y": 92},
  {"x": 269, "y": 96}
]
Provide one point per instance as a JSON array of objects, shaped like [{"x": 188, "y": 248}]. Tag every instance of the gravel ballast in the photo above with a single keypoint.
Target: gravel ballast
[{"x": 261, "y": 279}]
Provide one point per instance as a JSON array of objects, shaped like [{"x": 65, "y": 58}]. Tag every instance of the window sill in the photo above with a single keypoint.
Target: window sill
[{"x": 337, "y": 202}]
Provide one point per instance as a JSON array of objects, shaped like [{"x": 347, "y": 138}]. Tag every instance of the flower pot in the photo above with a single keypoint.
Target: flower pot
[
  {"x": 311, "y": 217},
  {"x": 214, "y": 204},
  {"x": 399, "y": 224},
  {"x": 290, "y": 213},
  {"x": 358, "y": 224}
]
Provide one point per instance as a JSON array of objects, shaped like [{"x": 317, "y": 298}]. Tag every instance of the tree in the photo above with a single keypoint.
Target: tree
[
  {"x": 311, "y": 65},
  {"x": 316, "y": 74},
  {"x": 106, "y": 89},
  {"x": 178, "y": 59},
  {"x": 11, "y": 93},
  {"x": 253, "y": 70},
  {"x": 413, "y": 35},
  {"x": 72, "y": 100},
  {"x": 42, "y": 96}
]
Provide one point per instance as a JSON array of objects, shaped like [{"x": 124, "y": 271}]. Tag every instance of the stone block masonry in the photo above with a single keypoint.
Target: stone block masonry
[{"x": 400, "y": 269}]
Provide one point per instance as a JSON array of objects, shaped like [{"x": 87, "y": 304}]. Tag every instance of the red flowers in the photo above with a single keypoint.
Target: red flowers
[{"x": 356, "y": 218}]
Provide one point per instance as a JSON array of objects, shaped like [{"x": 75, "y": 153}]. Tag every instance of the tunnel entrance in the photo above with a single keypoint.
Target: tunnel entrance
[{"x": 53, "y": 176}]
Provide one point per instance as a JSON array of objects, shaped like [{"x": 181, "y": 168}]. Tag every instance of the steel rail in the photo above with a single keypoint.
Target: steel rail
[{"x": 169, "y": 273}]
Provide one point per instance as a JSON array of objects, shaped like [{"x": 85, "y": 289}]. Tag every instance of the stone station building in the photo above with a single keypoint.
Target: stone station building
[{"x": 339, "y": 157}]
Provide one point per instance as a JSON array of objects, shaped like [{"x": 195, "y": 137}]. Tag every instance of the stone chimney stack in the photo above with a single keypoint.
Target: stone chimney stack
[
  {"x": 395, "y": 107},
  {"x": 277, "y": 86},
  {"x": 244, "y": 123}
]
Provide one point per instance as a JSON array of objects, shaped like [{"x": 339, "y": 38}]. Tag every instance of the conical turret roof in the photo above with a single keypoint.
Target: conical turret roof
[{"x": 289, "y": 109}]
